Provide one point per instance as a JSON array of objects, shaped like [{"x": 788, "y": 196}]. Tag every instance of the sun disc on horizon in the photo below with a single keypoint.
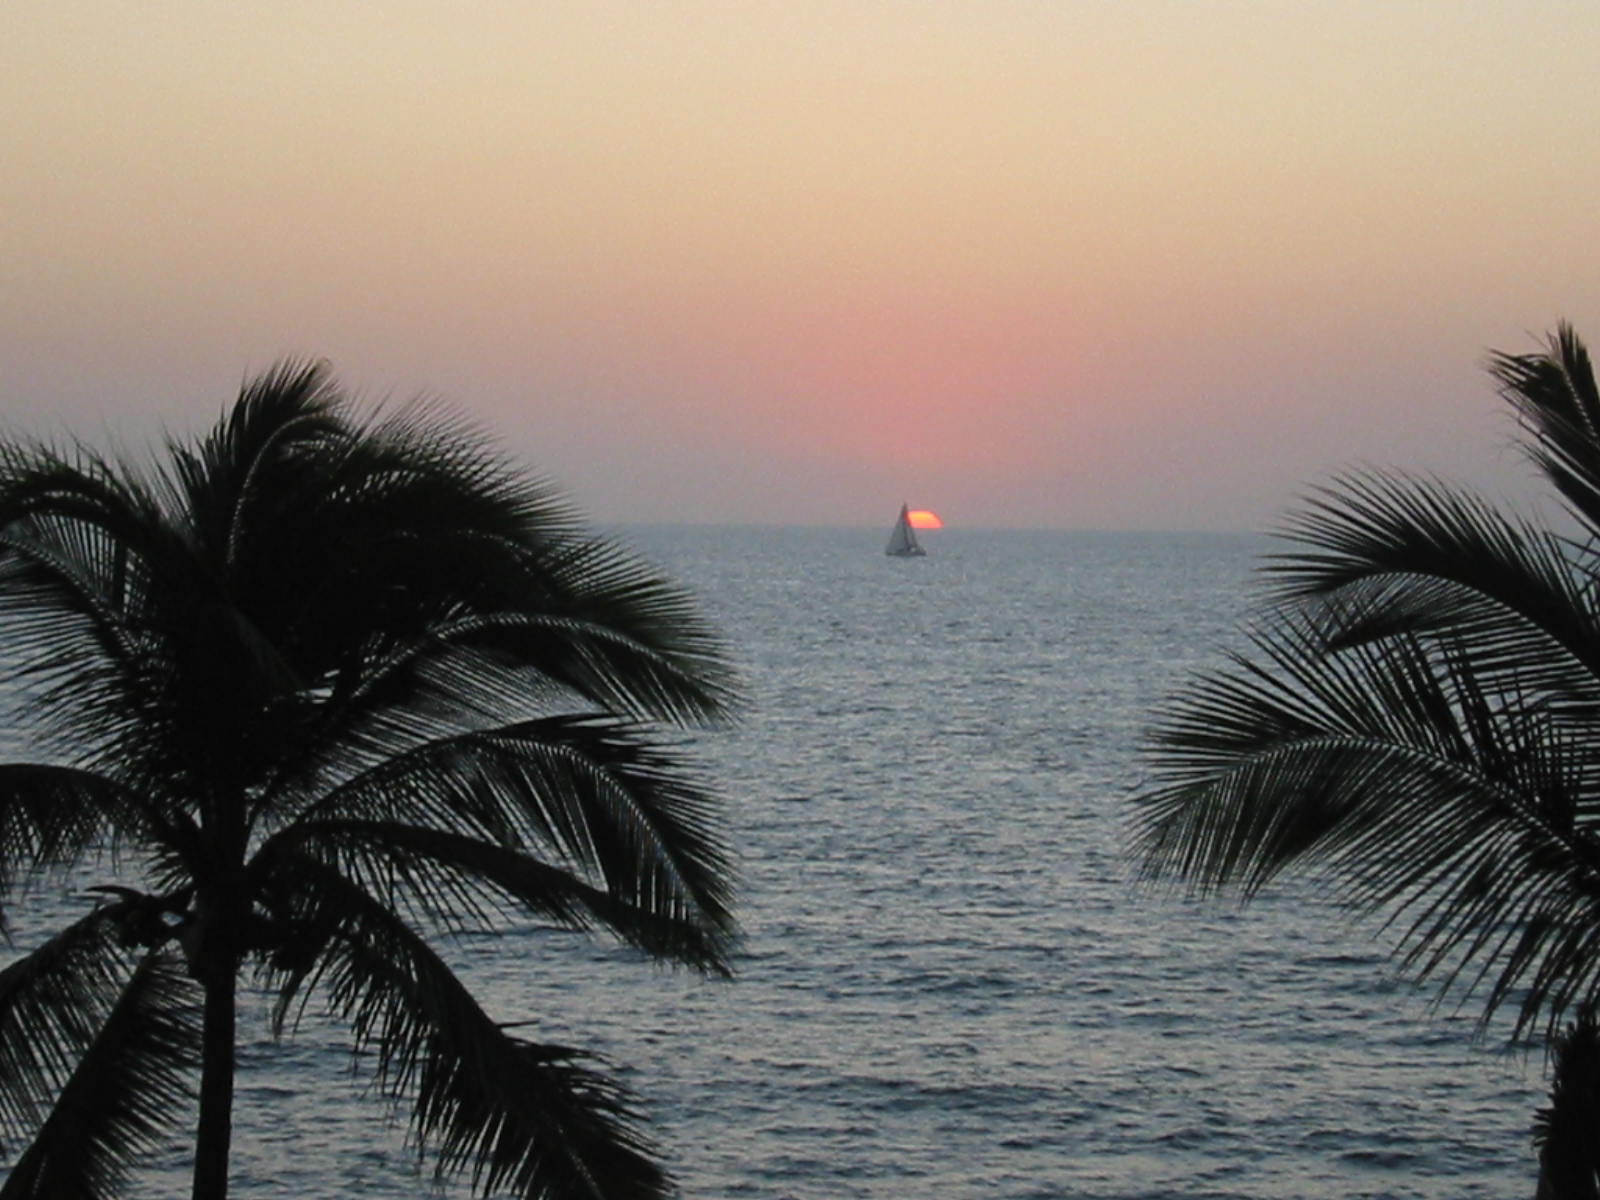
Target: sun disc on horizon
[{"x": 921, "y": 518}]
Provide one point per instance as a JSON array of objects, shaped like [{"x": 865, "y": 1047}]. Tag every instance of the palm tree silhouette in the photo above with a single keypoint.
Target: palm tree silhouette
[
  {"x": 1417, "y": 715},
  {"x": 337, "y": 687}
]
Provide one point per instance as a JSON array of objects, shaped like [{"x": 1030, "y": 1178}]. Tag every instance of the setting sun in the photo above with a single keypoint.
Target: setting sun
[{"x": 921, "y": 518}]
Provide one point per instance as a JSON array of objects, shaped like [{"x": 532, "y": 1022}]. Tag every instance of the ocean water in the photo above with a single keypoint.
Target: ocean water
[{"x": 949, "y": 985}]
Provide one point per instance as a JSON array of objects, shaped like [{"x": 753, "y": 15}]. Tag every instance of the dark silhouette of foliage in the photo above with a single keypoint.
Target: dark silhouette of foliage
[
  {"x": 336, "y": 687},
  {"x": 1417, "y": 716}
]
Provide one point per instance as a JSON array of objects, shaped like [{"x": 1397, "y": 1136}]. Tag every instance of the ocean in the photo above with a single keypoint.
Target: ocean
[{"x": 949, "y": 985}]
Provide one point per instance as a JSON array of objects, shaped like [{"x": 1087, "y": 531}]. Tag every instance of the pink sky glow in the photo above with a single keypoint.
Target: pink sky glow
[{"x": 1069, "y": 264}]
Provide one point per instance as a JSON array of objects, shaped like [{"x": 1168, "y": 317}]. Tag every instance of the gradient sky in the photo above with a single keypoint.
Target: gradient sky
[{"x": 1027, "y": 263}]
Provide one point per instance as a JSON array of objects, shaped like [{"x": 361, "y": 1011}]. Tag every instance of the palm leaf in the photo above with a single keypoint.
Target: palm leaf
[
  {"x": 529, "y": 653},
  {"x": 450, "y": 878},
  {"x": 71, "y": 647},
  {"x": 508, "y": 1113},
  {"x": 233, "y": 486},
  {"x": 112, "y": 620},
  {"x": 1554, "y": 393},
  {"x": 127, "y": 1092},
  {"x": 50, "y": 815},
  {"x": 657, "y": 657},
  {"x": 1459, "y": 810},
  {"x": 591, "y": 791},
  {"x": 53, "y": 816},
  {"x": 1417, "y": 556},
  {"x": 51, "y": 1000},
  {"x": 404, "y": 568}
]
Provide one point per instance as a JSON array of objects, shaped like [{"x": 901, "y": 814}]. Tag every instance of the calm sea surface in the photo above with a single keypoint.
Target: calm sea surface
[{"x": 949, "y": 987}]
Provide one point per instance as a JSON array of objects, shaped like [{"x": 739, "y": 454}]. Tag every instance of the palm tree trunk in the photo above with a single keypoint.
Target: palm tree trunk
[
  {"x": 1568, "y": 1132},
  {"x": 215, "y": 1132}
]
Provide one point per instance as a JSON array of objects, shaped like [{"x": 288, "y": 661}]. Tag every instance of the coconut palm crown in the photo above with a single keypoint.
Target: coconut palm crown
[
  {"x": 1416, "y": 714},
  {"x": 333, "y": 687}
]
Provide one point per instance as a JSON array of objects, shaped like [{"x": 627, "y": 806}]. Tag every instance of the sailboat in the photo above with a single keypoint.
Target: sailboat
[{"x": 903, "y": 540}]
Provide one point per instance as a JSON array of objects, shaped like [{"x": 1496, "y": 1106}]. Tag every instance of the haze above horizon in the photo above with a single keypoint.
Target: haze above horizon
[{"x": 1076, "y": 265}]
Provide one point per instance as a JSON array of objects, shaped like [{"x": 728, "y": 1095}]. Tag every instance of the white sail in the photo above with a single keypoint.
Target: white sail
[{"x": 903, "y": 539}]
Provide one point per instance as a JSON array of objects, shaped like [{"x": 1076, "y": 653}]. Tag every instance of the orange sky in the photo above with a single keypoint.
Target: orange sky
[{"x": 1066, "y": 264}]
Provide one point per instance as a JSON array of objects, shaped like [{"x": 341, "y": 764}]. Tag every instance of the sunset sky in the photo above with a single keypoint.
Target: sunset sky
[{"x": 1025, "y": 263}]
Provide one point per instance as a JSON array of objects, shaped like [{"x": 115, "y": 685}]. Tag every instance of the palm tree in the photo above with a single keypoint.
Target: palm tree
[
  {"x": 1417, "y": 715},
  {"x": 337, "y": 687}
]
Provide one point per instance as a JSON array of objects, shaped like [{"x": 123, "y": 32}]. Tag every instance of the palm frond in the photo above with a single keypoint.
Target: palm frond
[
  {"x": 115, "y": 624},
  {"x": 640, "y": 646},
  {"x": 510, "y": 1114},
  {"x": 439, "y": 876},
  {"x": 51, "y": 1000},
  {"x": 60, "y": 499},
  {"x": 233, "y": 485},
  {"x": 423, "y": 523},
  {"x": 524, "y": 655},
  {"x": 1456, "y": 807},
  {"x": 475, "y": 675},
  {"x": 1554, "y": 393},
  {"x": 128, "y": 1090},
  {"x": 1419, "y": 556},
  {"x": 405, "y": 567},
  {"x": 72, "y": 573},
  {"x": 390, "y": 531},
  {"x": 593, "y": 792},
  {"x": 52, "y": 815}
]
